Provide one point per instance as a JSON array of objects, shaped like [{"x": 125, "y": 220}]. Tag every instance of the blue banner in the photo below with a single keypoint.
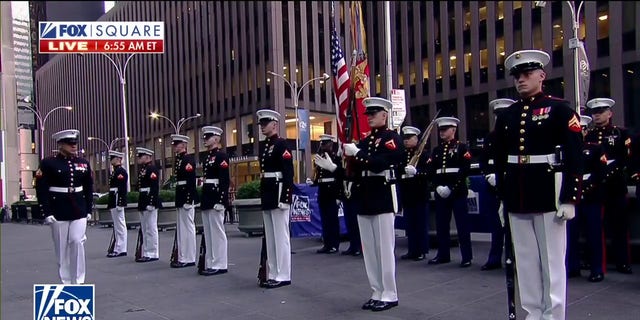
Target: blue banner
[
  {"x": 305, "y": 213},
  {"x": 303, "y": 128}
]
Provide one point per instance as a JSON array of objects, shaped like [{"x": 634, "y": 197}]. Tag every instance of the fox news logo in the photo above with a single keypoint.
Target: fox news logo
[{"x": 63, "y": 302}]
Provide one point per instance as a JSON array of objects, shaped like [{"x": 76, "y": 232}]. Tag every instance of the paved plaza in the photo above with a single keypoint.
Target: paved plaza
[{"x": 323, "y": 286}]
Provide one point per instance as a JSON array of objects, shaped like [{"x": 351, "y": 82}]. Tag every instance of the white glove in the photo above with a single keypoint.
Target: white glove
[
  {"x": 491, "y": 179},
  {"x": 350, "y": 149},
  {"x": 218, "y": 207},
  {"x": 50, "y": 220},
  {"x": 338, "y": 202},
  {"x": 443, "y": 191},
  {"x": 119, "y": 208},
  {"x": 283, "y": 205},
  {"x": 309, "y": 181},
  {"x": 339, "y": 153},
  {"x": 566, "y": 211},
  {"x": 501, "y": 213},
  {"x": 325, "y": 162},
  {"x": 187, "y": 206},
  {"x": 410, "y": 170},
  {"x": 89, "y": 216},
  {"x": 150, "y": 208}
]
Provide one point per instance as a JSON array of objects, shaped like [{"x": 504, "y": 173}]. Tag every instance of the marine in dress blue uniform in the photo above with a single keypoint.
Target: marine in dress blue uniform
[
  {"x": 276, "y": 183},
  {"x": 328, "y": 178},
  {"x": 414, "y": 196},
  {"x": 487, "y": 165},
  {"x": 186, "y": 200},
  {"x": 589, "y": 212},
  {"x": 616, "y": 144},
  {"x": 538, "y": 150},
  {"x": 117, "y": 204},
  {"x": 379, "y": 157},
  {"x": 448, "y": 167},
  {"x": 215, "y": 193},
  {"x": 148, "y": 204},
  {"x": 64, "y": 187}
]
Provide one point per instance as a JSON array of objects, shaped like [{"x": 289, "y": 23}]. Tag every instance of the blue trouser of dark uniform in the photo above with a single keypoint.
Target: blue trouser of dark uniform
[
  {"x": 444, "y": 207},
  {"x": 497, "y": 235},
  {"x": 417, "y": 228},
  {"x": 330, "y": 222},
  {"x": 616, "y": 221},
  {"x": 351, "y": 209},
  {"x": 589, "y": 219}
]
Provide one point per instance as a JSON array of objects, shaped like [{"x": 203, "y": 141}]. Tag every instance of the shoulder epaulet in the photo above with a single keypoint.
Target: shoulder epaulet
[{"x": 555, "y": 98}]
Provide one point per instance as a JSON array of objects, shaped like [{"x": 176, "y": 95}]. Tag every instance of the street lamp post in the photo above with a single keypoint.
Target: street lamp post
[
  {"x": 42, "y": 120},
  {"x": 121, "y": 69},
  {"x": 108, "y": 145},
  {"x": 295, "y": 95},
  {"x": 575, "y": 44},
  {"x": 176, "y": 126}
]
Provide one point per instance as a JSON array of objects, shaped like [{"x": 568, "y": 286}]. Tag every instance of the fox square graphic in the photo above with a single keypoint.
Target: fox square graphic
[{"x": 63, "y": 302}]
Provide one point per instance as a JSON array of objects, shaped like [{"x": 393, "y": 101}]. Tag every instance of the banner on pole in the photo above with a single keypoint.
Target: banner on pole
[
  {"x": 303, "y": 127},
  {"x": 399, "y": 109}
]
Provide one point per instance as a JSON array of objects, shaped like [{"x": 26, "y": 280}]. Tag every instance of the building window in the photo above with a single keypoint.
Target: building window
[
  {"x": 632, "y": 95},
  {"x": 501, "y": 55},
  {"x": 477, "y": 120},
  {"x": 600, "y": 85},
  {"x": 628, "y": 26},
  {"x": 603, "y": 29}
]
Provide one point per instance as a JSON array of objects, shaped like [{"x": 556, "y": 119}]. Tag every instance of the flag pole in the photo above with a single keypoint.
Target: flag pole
[{"x": 387, "y": 42}]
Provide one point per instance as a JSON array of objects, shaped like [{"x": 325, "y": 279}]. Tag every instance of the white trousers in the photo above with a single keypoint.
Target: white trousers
[
  {"x": 378, "y": 243},
  {"x": 119, "y": 229},
  {"x": 186, "y": 228},
  {"x": 276, "y": 230},
  {"x": 68, "y": 242},
  {"x": 215, "y": 239},
  {"x": 149, "y": 226},
  {"x": 540, "y": 245}
]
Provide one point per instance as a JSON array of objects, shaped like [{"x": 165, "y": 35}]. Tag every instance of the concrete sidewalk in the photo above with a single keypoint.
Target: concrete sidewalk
[{"x": 323, "y": 286}]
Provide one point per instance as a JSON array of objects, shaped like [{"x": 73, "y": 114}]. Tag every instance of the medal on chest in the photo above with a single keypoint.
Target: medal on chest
[{"x": 540, "y": 113}]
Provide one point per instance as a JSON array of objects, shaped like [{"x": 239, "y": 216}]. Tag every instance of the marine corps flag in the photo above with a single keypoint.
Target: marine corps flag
[{"x": 360, "y": 73}]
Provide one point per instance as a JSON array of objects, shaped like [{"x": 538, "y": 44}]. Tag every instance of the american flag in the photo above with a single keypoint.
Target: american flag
[{"x": 341, "y": 82}]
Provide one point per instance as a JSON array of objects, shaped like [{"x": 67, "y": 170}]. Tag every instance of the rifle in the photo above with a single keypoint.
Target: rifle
[
  {"x": 509, "y": 269},
  {"x": 201, "y": 257},
  {"x": 112, "y": 245},
  {"x": 262, "y": 268},
  {"x": 139, "y": 245},
  {"x": 174, "y": 251},
  {"x": 423, "y": 141}
]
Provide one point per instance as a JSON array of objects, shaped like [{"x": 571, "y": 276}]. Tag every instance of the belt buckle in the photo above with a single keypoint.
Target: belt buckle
[
  {"x": 522, "y": 159},
  {"x": 72, "y": 189}
]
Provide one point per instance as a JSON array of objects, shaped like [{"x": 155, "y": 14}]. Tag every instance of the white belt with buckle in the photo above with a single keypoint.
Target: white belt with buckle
[
  {"x": 532, "y": 159},
  {"x": 147, "y": 189},
  {"x": 406, "y": 176},
  {"x": 384, "y": 173},
  {"x": 181, "y": 183},
  {"x": 586, "y": 176},
  {"x": 66, "y": 190},
  {"x": 213, "y": 181},
  {"x": 277, "y": 175},
  {"x": 113, "y": 189},
  {"x": 321, "y": 180},
  {"x": 448, "y": 170}
]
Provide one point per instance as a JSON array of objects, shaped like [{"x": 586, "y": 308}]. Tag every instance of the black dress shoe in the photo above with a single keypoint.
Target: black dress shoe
[
  {"x": 146, "y": 259},
  {"x": 419, "y": 257},
  {"x": 438, "y": 260},
  {"x": 384, "y": 305},
  {"x": 596, "y": 277},
  {"x": 369, "y": 304},
  {"x": 408, "y": 256},
  {"x": 263, "y": 284},
  {"x": 323, "y": 250},
  {"x": 465, "y": 264},
  {"x": 624, "y": 268},
  {"x": 573, "y": 274},
  {"x": 356, "y": 253},
  {"x": 212, "y": 272},
  {"x": 182, "y": 264},
  {"x": 272, "y": 284},
  {"x": 491, "y": 266}
]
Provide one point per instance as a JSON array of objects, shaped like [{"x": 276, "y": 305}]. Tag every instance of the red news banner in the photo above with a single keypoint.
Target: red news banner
[
  {"x": 101, "y": 46},
  {"x": 101, "y": 37}
]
